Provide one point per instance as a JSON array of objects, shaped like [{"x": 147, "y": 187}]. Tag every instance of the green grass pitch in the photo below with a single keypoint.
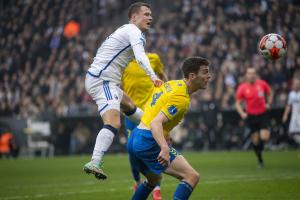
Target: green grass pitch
[{"x": 224, "y": 175}]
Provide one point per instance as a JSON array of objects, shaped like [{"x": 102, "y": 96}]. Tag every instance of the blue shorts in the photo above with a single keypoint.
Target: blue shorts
[
  {"x": 129, "y": 126},
  {"x": 144, "y": 150}
]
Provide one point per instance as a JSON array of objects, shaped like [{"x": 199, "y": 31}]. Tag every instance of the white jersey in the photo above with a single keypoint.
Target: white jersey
[
  {"x": 115, "y": 53},
  {"x": 294, "y": 101}
]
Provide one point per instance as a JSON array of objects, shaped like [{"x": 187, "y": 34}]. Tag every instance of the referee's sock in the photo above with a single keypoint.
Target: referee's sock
[
  {"x": 142, "y": 191},
  {"x": 258, "y": 152}
]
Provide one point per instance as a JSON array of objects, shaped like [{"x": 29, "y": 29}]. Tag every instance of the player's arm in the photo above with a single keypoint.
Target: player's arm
[
  {"x": 137, "y": 41},
  {"x": 269, "y": 96},
  {"x": 156, "y": 127},
  {"x": 286, "y": 113},
  {"x": 287, "y": 109},
  {"x": 143, "y": 61},
  {"x": 269, "y": 99},
  {"x": 239, "y": 109},
  {"x": 238, "y": 103}
]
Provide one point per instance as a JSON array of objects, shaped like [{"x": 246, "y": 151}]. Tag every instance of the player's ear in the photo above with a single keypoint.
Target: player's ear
[
  {"x": 192, "y": 76},
  {"x": 132, "y": 19}
]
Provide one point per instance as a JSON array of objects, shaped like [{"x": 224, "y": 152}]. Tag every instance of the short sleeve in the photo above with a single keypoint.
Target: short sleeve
[
  {"x": 136, "y": 36},
  {"x": 239, "y": 94},
  {"x": 176, "y": 105}
]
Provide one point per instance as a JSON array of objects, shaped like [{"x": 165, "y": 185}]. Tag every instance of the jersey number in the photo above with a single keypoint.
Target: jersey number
[{"x": 155, "y": 98}]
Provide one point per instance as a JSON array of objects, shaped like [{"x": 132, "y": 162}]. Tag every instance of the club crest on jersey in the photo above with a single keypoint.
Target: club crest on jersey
[
  {"x": 172, "y": 110},
  {"x": 116, "y": 97}
]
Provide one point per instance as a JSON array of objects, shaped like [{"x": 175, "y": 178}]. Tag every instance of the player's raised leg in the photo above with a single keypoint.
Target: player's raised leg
[
  {"x": 131, "y": 111},
  {"x": 107, "y": 96},
  {"x": 109, "y": 109}
]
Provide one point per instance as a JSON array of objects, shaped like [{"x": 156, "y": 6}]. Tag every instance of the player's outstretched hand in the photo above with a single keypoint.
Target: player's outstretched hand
[
  {"x": 157, "y": 82},
  {"x": 164, "y": 157}
]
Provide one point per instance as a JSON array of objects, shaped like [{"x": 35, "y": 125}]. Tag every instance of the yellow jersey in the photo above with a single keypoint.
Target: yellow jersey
[
  {"x": 135, "y": 82},
  {"x": 172, "y": 99}
]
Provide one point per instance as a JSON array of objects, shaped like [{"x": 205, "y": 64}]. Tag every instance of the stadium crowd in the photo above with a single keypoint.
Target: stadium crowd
[
  {"x": 43, "y": 62},
  {"x": 42, "y": 69}
]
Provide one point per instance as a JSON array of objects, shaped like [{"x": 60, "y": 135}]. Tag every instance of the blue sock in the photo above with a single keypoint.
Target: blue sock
[
  {"x": 136, "y": 176},
  {"x": 142, "y": 192},
  {"x": 183, "y": 191}
]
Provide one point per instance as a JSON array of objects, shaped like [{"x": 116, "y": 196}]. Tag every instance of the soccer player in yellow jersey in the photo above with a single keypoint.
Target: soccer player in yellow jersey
[
  {"x": 138, "y": 86},
  {"x": 147, "y": 144}
]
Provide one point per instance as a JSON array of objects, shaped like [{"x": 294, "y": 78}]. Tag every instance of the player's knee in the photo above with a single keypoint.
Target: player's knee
[
  {"x": 265, "y": 135},
  {"x": 192, "y": 177},
  {"x": 127, "y": 104},
  {"x": 196, "y": 177},
  {"x": 112, "y": 118},
  {"x": 114, "y": 123},
  {"x": 255, "y": 138},
  {"x": 111, "y": 128},
  {"x": 154, "y": 180}
]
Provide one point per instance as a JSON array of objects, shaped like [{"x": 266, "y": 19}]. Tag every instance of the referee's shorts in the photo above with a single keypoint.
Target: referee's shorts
[{"x": 257, "y": 122}]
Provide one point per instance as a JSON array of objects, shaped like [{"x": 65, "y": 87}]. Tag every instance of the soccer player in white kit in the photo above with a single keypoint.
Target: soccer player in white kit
[
  {"x": 294, "y": 106},
  {"x": 104, "y": 77}
]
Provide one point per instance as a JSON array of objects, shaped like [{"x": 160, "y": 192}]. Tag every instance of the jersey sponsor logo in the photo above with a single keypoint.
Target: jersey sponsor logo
[
  {"x": 172, "y": 110},
  {"x": 155, "y": 97}
]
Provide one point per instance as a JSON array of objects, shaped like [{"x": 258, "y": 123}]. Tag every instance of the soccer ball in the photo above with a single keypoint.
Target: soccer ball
[{"x": 272, "y": 46}]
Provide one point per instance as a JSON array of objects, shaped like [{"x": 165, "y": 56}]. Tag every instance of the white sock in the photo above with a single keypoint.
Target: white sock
[
  {"x": 136, "y": 116},
  {"x": 103, "y": 142}
]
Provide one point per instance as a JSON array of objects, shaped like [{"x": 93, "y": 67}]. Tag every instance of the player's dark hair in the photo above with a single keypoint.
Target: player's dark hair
[
  {"x": 135, "y": 8},
  {"x": 192, "y": 65}
]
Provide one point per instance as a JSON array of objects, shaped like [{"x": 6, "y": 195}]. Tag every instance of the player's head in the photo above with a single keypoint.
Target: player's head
[
  {"x": 251, "y": 74},
  {"x": 196, "y": 72},
  {"x": 139, "y": 13}
]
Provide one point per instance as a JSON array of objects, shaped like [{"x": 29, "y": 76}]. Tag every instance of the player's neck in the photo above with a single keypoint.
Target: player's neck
[
  {"x": 130, "y": 22},
  {"x": 190, "y": 87}
]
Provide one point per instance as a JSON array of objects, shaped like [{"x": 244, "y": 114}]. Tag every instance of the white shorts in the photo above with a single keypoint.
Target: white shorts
[
  {"x": 107, "y": 95},
  {"x": 294, "y": 125}
]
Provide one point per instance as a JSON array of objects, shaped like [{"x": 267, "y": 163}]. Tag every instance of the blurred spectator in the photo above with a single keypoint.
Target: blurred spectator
[
  {"x": 8, "y": 144},
  {"x": 61, "y": 140},
  {"x": 209, "y": 123},
  {"x": 80, "y": 137},
  {"x": 71, "y": 29}
]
